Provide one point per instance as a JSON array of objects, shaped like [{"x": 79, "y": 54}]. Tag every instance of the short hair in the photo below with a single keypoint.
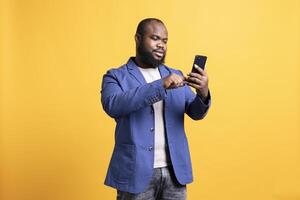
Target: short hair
[{"x": 141, "y": 29}]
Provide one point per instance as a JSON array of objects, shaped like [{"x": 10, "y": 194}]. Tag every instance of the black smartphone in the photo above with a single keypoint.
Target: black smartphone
[{"x": 200, "y": 61}]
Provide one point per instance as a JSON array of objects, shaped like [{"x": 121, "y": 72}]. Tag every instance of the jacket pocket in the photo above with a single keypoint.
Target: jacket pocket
[{"x": 122, "y": 162}]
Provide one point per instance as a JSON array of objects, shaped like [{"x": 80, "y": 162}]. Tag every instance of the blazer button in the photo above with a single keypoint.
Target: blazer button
[
  {"x": 150, "y": 148},
  {"x": 151, "y": 129}
]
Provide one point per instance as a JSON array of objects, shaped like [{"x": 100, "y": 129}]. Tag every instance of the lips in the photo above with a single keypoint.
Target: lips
[{"x": 159, "y": 54}]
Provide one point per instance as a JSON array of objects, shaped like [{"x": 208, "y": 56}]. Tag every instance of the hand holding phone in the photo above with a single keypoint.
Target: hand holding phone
[{"x": 197, "y": 79}]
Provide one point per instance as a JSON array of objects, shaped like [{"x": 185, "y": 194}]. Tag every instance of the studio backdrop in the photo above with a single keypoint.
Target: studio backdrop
[{"x": 56, "y": 141}]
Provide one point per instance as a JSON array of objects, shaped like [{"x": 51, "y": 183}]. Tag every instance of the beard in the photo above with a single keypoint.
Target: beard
[{"x": 147, "y": 57}]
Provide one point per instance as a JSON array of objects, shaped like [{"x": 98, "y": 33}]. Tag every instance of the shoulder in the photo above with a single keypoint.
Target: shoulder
[{"x": 117, "y": 71}]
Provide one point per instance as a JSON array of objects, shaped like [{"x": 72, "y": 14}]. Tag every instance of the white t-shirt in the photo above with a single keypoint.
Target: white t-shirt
[{"x": 161, "y": 158}]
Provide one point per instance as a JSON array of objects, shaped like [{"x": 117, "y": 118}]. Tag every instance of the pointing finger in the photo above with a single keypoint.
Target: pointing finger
[{"x": 201, "y": 71}]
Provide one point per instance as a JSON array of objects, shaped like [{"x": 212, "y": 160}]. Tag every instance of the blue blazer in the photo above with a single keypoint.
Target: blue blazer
[{"x": 127, "y": 98}]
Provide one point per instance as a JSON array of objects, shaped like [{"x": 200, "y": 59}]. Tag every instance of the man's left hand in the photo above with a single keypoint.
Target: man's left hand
[{"x": 199, "y": 81}]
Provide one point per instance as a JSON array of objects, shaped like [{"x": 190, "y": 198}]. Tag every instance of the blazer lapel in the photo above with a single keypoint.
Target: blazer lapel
[
  {"x": 135, "y": 72},
  {"x": 164, "y": 71}
]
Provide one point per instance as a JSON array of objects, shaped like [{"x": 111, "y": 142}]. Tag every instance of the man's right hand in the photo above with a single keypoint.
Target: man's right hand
[{"x": 173, "y": 81}]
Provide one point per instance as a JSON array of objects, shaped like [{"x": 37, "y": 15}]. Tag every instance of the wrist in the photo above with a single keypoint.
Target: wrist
[{"x": 202, "y": 94}]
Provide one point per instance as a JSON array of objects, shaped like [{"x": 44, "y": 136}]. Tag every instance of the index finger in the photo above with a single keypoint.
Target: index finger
[{"x": 200, "y": 70}]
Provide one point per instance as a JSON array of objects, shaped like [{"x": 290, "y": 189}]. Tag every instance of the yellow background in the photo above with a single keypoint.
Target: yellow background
[{"x": 56, "y": 141}]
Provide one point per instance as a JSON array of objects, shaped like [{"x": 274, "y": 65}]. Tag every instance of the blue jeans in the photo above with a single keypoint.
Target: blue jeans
[{"x": 163, "y": 186}]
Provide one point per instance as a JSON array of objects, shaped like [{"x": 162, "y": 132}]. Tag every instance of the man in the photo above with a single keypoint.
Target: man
[{"x": 148, "y": 100}]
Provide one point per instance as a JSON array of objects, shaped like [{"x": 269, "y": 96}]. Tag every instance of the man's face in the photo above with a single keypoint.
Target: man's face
[{"x": 152, "y": 46}]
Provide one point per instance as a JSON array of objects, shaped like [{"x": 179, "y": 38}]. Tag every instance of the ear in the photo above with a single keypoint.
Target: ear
[{"x": 137, "y": 38}]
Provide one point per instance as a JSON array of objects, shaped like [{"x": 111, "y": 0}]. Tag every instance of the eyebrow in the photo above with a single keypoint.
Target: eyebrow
[{"x": 159, "y": 37}]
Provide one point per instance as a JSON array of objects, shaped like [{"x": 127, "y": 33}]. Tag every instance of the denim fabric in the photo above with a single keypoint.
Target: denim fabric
[{"x": 163, "y": 186}]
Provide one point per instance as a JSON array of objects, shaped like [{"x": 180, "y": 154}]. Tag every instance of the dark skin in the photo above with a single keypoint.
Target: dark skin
[{"x": 155, "y": 41}]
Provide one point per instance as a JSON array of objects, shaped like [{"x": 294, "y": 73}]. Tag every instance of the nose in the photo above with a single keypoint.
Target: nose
[{"x": 161, "y": 45}]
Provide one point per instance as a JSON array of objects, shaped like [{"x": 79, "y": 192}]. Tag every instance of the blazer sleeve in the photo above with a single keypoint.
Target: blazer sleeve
[
  {"x": 194, "y": 106},
  {"x": 117, "y": 103}
]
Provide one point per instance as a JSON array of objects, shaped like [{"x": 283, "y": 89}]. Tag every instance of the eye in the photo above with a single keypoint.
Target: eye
[
  {"x": 165, "y": 41},
  {"x": 154, "y": 37}
]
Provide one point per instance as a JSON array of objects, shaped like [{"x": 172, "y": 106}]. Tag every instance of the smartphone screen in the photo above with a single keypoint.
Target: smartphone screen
[{"x": 200, "y": 61}]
